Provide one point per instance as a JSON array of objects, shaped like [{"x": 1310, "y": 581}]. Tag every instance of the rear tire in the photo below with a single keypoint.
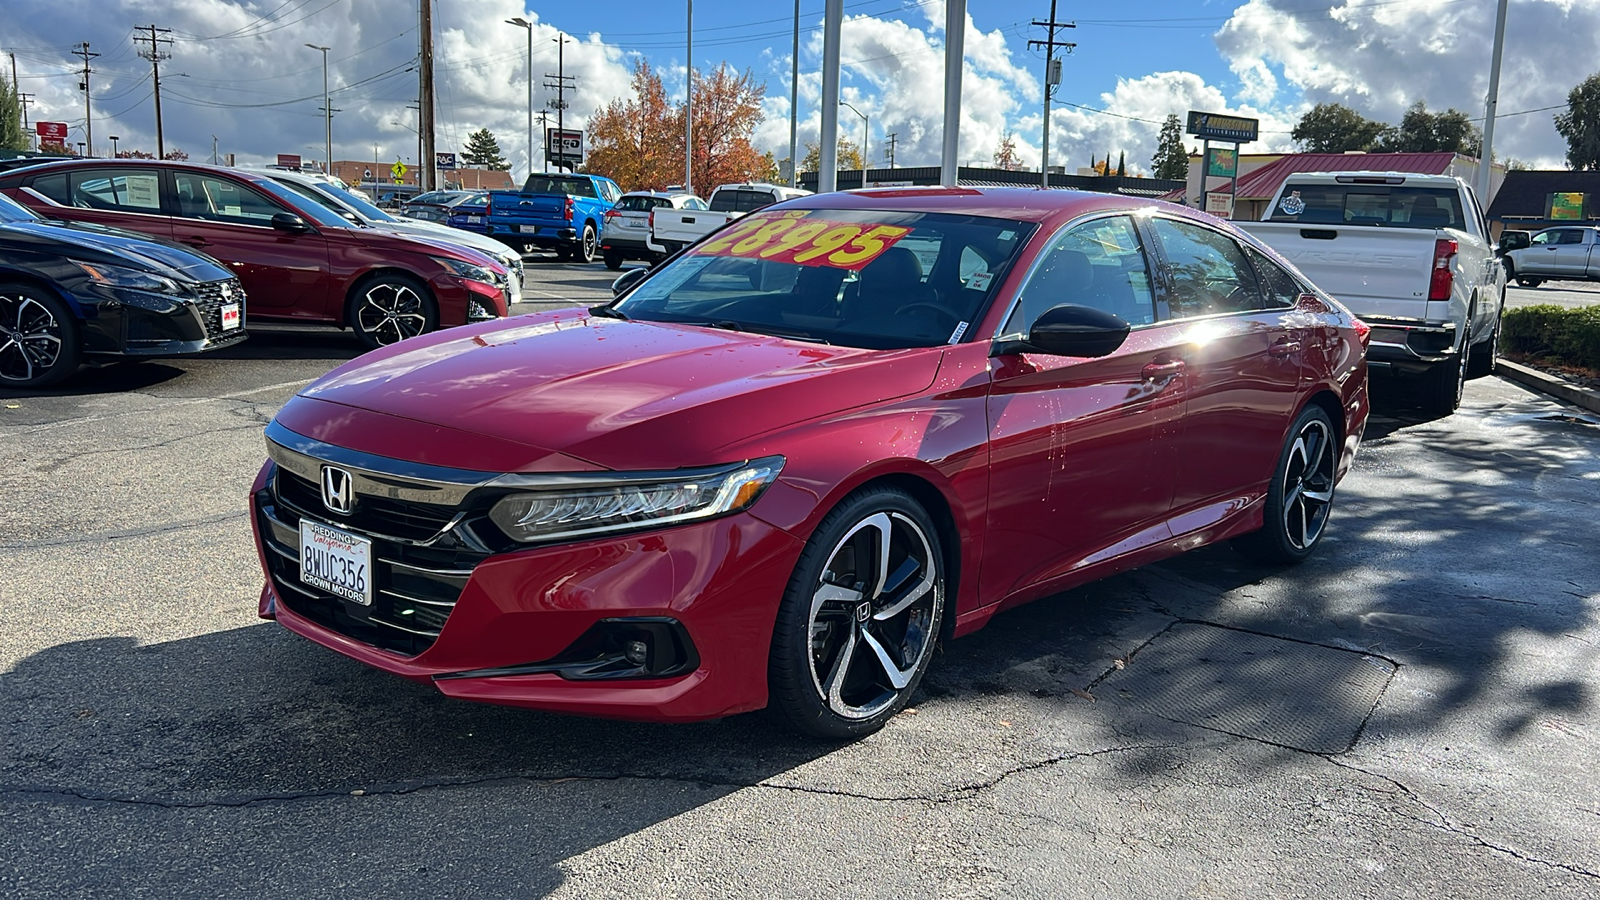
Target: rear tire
[
  {"x": 613, "y": 260},
  {"x": 1443, "y": 383},
  {"x": 1481, "y": 361},
  {"x": 1300, "y": 495},
  {"x": 587, "y": 244},
  {"x": 1527, "y": 282},
  {"x": 38, "y": 338}
]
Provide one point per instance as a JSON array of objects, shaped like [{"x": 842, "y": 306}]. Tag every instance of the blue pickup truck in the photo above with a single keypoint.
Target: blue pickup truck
[{"x": 556, "y": 212}]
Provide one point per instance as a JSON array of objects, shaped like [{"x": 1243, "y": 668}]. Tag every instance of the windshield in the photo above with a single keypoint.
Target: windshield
[
  {"x": 859, "y": 278},
  {"x": 12, "y": 211},
  {"x": 1395, "y": 206},
  {"x": 363, "y": 208}
]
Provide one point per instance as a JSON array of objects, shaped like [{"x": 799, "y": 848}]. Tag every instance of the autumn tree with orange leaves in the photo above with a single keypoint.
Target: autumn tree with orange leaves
[{"x": 638, "y": 142}]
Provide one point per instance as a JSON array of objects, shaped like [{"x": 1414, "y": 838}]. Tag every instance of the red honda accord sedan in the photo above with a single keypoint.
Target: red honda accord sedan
[{"x": 779, "y": 468}]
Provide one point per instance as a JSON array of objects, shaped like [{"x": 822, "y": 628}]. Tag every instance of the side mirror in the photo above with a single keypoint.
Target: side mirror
[
  {"x": 627, "y": 280},
  {"x": 1071, "y": 330},
  {"x": 1513, "y": 240},
  {"x": 289, "y": 222}
]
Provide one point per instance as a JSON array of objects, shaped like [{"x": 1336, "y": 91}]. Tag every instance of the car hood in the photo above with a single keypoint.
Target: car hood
[
  {"x": 98, "y": 243},
  {"x": 445, "y": 234},
  {"x": 622, "y": 395}
]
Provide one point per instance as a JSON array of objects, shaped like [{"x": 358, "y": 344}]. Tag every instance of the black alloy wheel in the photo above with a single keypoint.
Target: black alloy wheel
[
  {"x": 588, "y": 245},
  {"x": 1300, "y": 496},
  {"x": 38, "y": 340},
  {"x": 389, "y": 308},
  {"x": 860, "y": 618}
]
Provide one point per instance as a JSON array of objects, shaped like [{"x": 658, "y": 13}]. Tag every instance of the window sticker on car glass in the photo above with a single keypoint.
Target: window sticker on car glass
[
  {"x": 143, "y": 191},
  {"x": 956, "y": 335},
  {"x": 1292, "y": 205},
  {"x": 979, "y": 281},
  {"x": 795, "y": 236}
]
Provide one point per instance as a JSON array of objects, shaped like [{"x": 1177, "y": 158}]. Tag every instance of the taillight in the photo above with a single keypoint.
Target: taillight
[
  {"x": 568, "y": 211},
  {"x": 652, "y": 225},
  {"x": 1443, "y": 252},
  {"x": 612, "y": 214},
  {"x": 1363, "y": 331}
]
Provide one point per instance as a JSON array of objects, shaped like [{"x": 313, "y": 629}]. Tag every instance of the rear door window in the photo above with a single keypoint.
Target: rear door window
[
  {"x": 108, "y": 189},
  {"x": 1280, "y": 288},
  {"x": 1207, "y": 271}
]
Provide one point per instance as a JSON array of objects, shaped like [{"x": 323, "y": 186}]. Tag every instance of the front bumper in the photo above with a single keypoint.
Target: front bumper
[
  {"x": 128, "y": 322},
  {"x": 490, "y": 617}
]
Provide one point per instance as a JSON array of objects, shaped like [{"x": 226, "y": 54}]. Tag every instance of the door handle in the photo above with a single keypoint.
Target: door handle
[
  {"x": 1163, "y": 370},
  {"x": 1284, "y": 347},
  {"x": 196, "y": 241}
]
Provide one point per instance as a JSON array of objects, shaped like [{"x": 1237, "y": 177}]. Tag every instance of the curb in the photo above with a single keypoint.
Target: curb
[{"x": 1548, "y": 384}]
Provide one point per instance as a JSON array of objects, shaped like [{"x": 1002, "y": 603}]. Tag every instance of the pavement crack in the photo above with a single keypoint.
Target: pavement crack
[
  {"x": 1444, "y": 823},
  {"x": 120, "y": 535}
]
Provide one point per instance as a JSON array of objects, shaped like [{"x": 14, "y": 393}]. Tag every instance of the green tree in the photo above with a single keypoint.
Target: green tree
[
  {"x": 1122, "y": 163},
  {"x": 1580, "y": 124},
  {"x": 11, "y": 135},
  {"x": 1420, "y": 131},
  {"x": 1171, "y": 160},
  {"x": 849, "y": 156},
  {"x": 483, "y": 151},
  {"x": 1334, "y": 128}
]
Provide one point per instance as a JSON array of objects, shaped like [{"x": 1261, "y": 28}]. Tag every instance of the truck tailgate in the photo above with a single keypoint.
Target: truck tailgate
[
  {"x": 1374, "y": 271},
  {"x": 685, "y": 226},
  {"x": 513, "y": 207}
]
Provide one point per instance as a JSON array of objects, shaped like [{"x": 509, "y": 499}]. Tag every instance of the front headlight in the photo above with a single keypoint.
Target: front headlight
[
  {"x": 578, "y": 506},
  {"x": 469, "y": 271},
  {"x": 123, "y": 277}
]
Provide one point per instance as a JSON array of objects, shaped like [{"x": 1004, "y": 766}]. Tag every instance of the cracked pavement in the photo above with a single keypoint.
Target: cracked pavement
[{"x": 157, "y": 740}]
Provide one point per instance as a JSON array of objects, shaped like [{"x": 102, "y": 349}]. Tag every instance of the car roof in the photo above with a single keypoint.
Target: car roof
[
  {"x": 68, "y": 164},
  {"x": 1018, "y": 203}
]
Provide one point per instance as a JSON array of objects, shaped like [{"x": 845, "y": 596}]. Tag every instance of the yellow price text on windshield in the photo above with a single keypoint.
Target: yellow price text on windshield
[{"x": 795, "y": 236}]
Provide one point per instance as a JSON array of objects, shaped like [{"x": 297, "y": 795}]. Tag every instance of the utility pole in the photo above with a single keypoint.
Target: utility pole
[
  {"x": 155, "y": 54},
  {"x": 22, "y": 99},
  {"x": 888, "y": 151},
  {"x": 1486, "y": 152},
  {"x": 213, "y": 150},
  {"x": 327, "y": 108},
  {"x": 425, "y": 173},
  {"x": 544, "y": 129},
  {"x": 558, "y": 83},
  {"x": 88, "y": 111},
  {"x": 794, "y": 103},
  {"x": 688, "y": 105},
  {"x": 1052, "y": 77}
]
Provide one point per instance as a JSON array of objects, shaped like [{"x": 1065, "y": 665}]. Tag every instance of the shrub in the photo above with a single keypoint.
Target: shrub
[{"x": 1558, "y": 333}]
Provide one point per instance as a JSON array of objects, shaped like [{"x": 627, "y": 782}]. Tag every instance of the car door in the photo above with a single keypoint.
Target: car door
[
  {"x": 284, "y": 273},
  {"x": 1078, "y": 473},
  {"x": 1244, "y": 366},
  {"x": 1570, "y": 253},
  {"x": 121, "y": 197}
]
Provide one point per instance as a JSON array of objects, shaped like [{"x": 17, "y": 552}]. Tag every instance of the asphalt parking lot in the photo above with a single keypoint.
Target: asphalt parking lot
[{"x": 1412, "y": 713}]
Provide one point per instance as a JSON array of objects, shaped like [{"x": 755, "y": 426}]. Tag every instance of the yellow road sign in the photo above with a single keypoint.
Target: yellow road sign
[{"x": 399, "y": 170}]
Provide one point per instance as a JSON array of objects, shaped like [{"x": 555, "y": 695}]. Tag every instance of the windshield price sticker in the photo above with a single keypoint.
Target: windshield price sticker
[{"x": 796, "y": 237}]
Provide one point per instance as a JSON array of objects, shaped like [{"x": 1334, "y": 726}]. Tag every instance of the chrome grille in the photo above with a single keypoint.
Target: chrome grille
[{"x": 210, "y": 305}]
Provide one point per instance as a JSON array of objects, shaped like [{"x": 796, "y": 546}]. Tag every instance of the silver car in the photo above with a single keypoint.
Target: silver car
[
  {"x": 625, "y": 234},
  {"x": 361, "y": 212}
]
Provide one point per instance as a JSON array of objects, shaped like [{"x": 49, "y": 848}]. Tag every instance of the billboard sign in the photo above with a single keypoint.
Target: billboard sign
[
  {"x": 1223, "y": 162},
  {"x": 1219, "y": 204},
  {"x": 52, "y": 131},
  {"x": 1219, "y": 127},
  {"x": 444, "y": 160},
  {"x": 289, "y": 160},
  {"x": 564, "y": 148},
  {"x": 1566, "y": 207}
]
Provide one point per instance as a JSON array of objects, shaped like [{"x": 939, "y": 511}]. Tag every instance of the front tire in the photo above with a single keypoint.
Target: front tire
[
  {"x": 1529, "y": 282},
  {"x": 38, "y": 338},
  {"x": 859, "y": 620},
  {"x": 1300, "y": 496},
  {"x": 1481, "y": 360},
  {"x": 389, "y": 308},
  {"x": 588, "y": 244},
  {"x": 613, "y": 260}
]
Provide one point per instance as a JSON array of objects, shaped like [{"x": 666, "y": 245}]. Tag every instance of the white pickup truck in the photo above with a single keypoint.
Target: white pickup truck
[
  {"x": 1557, "y": 254},
  {"x": 1411, "y": 256},
  {"x": 675, "y": 229}
]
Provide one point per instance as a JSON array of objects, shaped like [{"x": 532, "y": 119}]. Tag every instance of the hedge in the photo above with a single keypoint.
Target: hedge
[{"x": 1557, "y": 333}]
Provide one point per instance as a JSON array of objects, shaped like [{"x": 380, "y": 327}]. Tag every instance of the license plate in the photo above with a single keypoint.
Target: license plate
[
  {"x": 528, "y": 229},
  {"x": 230, "y": 316},
  {"x": 473, "y": 220},
  {"x": 336, "y": 561}
]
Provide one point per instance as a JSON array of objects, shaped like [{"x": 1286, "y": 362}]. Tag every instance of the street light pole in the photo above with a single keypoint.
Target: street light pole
[
  {"x": 865, "y": 124},
  {"x": 524, "y": 23},
  {"x": 688, "y": 106},
  {"x": 327, "y": 109},
  {"x": 114, "y": 140}
]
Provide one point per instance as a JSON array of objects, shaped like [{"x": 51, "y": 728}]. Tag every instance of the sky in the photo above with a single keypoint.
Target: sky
[{"x": 241, "y": 75}]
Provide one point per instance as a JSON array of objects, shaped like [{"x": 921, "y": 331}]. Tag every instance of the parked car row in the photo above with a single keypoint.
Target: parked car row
[{"x": 301, "y": 250}]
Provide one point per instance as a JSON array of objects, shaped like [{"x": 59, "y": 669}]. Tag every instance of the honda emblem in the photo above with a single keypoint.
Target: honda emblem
[{"x": 338, "y": 491}]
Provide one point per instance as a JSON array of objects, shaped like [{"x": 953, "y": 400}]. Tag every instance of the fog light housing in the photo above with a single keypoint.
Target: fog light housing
[{"x": 638, "y": 647}]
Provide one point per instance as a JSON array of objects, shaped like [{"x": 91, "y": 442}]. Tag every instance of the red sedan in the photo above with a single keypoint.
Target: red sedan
[
  {"x": 298, "y": 261},
  {"x": 780, "y": 468}
]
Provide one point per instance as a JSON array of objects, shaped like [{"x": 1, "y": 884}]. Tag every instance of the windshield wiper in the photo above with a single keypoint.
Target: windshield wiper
[
  {"x": 606, "y": 312},
  {"x": 730, "y": 325}
]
